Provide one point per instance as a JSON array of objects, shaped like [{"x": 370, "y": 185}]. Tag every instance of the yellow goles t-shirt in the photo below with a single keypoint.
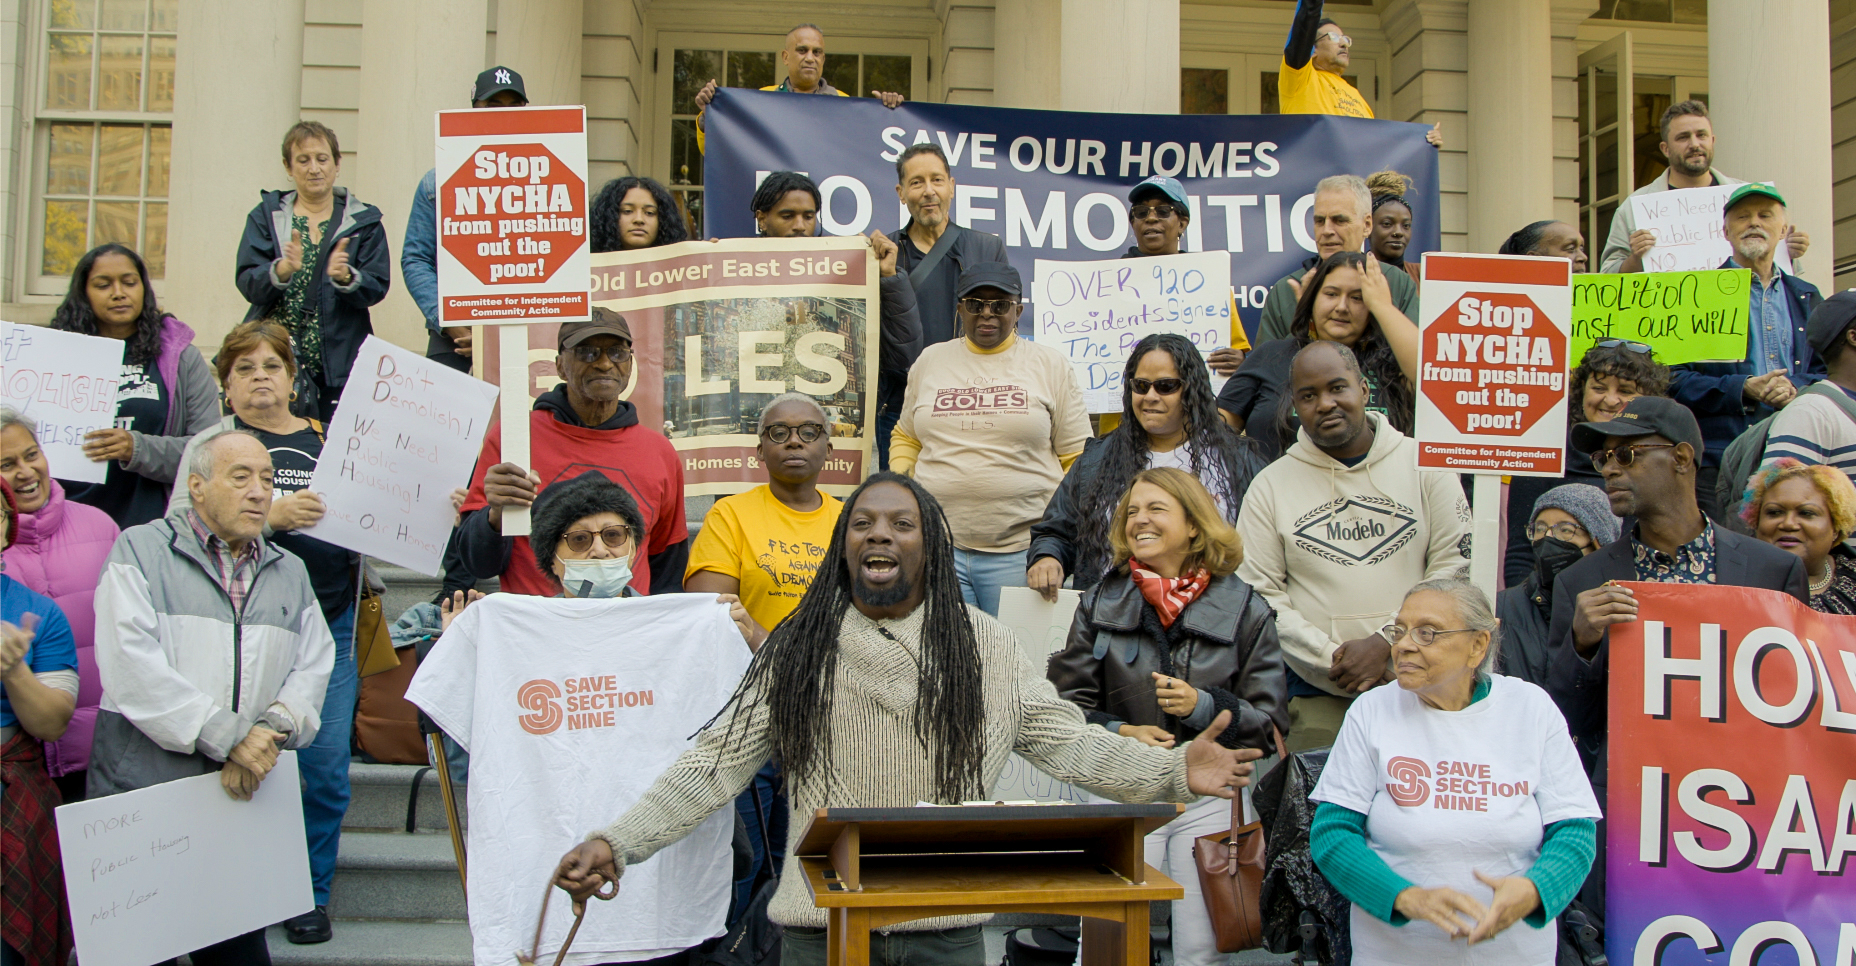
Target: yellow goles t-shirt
[{"x": 1308, "y": 90}]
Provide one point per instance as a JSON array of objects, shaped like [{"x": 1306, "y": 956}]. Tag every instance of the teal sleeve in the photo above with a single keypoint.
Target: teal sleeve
[
  {"x": 1566, "y": 855},
  {"x": 1337, "y": 840}
]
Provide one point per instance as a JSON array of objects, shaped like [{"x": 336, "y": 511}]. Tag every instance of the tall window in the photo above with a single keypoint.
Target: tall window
[{"x": 105, "y": 126}]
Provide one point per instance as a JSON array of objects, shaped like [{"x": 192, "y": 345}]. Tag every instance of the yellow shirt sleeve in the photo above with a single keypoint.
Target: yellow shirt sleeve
[
  {"x": 904, "y": 450},
  {"x": 1240, "y": 340},
  {"x": 1310, "y": 90},
  {"x": 718, "y": 547}
]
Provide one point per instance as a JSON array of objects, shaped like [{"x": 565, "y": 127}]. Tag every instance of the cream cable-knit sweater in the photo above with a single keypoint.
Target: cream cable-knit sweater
[{"x": 877, "y": 760}]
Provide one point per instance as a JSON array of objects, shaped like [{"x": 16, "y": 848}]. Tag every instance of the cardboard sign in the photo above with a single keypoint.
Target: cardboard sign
[
  {"x": 1492, "y": 364},
  {"x": 406, "y": 432},
  {"x": 171, "y": 868},
  {"x": 66, "y": 383},
  {"x": 1683, "y": 316},
  {"x": 1690, "y": 228},
  {"x": 1732, "y": 791},
  {"x": 1043, "y": 628},
  {"x": 512, "y": 215},
  {"x": 1096, "y": 311}
]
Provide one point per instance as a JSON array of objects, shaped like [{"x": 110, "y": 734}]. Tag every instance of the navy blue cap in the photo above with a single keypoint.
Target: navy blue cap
[
  {"x": 1643, "y": 416},
  {"x": 999, "y": 275}
]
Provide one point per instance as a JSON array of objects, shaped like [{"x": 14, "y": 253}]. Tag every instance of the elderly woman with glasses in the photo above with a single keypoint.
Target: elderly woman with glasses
[
  {"x": 1808, "y": 510},
  {"x": 1455, "y": 798}
]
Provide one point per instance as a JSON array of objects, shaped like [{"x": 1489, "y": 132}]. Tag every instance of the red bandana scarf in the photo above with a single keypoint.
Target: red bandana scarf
[{"x": 1168, "y": 595}]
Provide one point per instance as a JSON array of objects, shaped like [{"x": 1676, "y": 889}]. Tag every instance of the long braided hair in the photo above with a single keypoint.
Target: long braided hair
[
  {"x": 1373, "y": 351},
  {"x": 1224, "y": 461},
  {"x": 795, "y": 671}
]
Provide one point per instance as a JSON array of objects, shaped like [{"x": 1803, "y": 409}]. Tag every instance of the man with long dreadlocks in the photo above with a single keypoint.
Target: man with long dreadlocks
[{"x": 883, "y": 690}]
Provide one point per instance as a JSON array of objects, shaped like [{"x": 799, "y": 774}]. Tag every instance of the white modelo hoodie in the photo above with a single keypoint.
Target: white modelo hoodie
[{"x": 1334, "y": 548}]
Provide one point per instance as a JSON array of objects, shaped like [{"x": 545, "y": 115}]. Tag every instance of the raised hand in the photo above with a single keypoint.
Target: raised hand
[
  {"x": 454, "y": 605},
  {"x": 296, "y": 511},
  {"x": 891, "y": 99},
  {"x": 339, "y": 270},
  {"x": 292, "y": 258},
  {"x": 103, "y": 445},
  {"x": 885, "y": 250}
]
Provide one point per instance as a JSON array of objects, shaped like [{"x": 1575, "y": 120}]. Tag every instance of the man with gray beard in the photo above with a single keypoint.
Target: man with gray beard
[{"x": 1728, "y": 396}]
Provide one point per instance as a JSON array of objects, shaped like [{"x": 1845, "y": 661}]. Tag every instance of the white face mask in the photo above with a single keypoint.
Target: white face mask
[{"x": 595, "y": 578}]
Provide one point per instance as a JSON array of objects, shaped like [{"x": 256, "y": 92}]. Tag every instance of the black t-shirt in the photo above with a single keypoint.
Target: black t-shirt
[
  {"x": 934, "y": 298},
  {"x": 331, "y": 568},
  {"x": 1258, "y": 393},
  {"x": 131, "y": 498}
]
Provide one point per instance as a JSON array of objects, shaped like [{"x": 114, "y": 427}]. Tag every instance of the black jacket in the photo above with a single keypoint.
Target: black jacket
[
  {"x": 342, "y": 312},
  {"x": 969, "y": 248},
  {"x": 1579, "y": 685},
  {"x": 901, "y": 331},
  {"x": 1224, "y": 644},
  {"x": 1523, "y": 610}
]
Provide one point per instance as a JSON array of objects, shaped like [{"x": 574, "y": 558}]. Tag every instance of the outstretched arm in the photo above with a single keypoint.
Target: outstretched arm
[{"x": 1301, "y": 44}]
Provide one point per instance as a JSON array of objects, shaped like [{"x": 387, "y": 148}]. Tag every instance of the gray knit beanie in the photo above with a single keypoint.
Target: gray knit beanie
[{"x": 1587, "y": 504}]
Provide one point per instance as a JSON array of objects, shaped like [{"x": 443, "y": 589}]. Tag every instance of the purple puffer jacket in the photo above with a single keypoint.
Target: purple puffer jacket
[{"x": 59, "y": 552}]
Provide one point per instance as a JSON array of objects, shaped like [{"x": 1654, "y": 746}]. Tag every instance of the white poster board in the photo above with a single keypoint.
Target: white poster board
[
  {"x": 66, "y": 383},
  {"x": 1095, "y": 312},
  {"x": 1042, "y": 628},
  {"x": 406, "y": 433},
  {"x": 165, "y": 870},
  {"x": 1691, "y": 234}
]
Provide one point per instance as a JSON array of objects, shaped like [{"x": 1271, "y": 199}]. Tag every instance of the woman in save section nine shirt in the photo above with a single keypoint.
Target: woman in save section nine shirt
[{"x": 989, "y": 424}]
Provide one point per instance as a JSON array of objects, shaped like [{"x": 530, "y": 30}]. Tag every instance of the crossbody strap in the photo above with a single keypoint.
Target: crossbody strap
[{"x": 942, "y": 245}]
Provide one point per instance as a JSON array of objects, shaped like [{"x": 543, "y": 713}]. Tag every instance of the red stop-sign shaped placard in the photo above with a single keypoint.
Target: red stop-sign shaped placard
[
  {"x": 512, "y": 214},
  {"x": 1500, "y": 331}
]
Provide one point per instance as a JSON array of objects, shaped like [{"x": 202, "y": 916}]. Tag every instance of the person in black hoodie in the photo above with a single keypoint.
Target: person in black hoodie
[{"x": 315, "y": 257}]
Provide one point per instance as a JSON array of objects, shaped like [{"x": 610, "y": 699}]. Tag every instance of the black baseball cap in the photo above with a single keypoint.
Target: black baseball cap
[
  {"x": 604, "y": 322},
  {"x": 1833, "y": 315},
  {"x": 1643, "y": 416},
  {"x": 496, "y": 80},
  {"x": 999, "y": 275}
]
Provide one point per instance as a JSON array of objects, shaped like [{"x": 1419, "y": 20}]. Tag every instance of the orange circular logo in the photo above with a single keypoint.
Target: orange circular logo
[{"x": 537, "y": 698}]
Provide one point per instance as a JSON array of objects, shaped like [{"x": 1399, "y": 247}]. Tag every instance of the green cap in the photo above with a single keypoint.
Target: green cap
[{"x": 1748, "y": 190}]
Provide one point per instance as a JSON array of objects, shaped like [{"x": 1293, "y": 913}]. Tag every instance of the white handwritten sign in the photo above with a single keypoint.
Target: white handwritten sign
[
  {"x": 406, "y": 432},
  {"x": 1691, "y": 235},
  {"x": 1096, "y": 311},
  {"x": 175, "y": 867},
  {"x": 1042, "y": 628},
  {"x": 67, "y": 384}
]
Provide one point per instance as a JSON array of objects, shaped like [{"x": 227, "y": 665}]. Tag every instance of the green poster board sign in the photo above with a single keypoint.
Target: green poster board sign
[{"x": 1684, "y": 316}]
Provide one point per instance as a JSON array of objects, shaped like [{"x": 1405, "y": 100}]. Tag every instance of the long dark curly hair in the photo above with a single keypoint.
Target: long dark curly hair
[
  {"x": 74, "y": 313},
  {"x": 1221, "y": 459},
  {"x": 604, "y": 214},
  {"x": 1373, "y": 351},
  {"x": 1618, "y": 362},
  {"x": 795, "y": 672}
]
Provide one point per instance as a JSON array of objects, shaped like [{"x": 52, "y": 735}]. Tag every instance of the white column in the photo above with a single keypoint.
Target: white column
[
  {"x": 396, "y": 132},
  {"x": 1429, "y": 40},
  {"x": 1120, "y": 56},
  {"x": 238, "y": 78},
  {"x": 1027, "y": 49},
  {"x": 1769, "y": 98},
  {"x": 540, "y": 39},
  {"x": 1510, "y": 118}
]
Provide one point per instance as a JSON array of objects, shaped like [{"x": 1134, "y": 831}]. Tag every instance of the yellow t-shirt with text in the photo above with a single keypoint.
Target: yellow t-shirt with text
[
  {"x": 772, "y": 549},
  {"x": 1309, "y": 90}
]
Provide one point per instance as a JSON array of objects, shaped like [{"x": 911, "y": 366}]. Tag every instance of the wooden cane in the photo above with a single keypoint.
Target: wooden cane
[{"x": 443, "y": 766}]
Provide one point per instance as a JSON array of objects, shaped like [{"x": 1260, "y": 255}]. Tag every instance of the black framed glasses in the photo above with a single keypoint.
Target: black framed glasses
[
  {"x": 1568, "y": 532},
  {"x": 614, "y": 537},
  {"x": 780, "y": 432},
  {"x": 1162, "y": 212},
  {"x": 1426, "y": 636},
  {"x": 998, "y": 307},
  {"x": 1625, "y": 455},
  {"x": 590, "y": 354},
  {"x": 1625, "y": 344},
  {"x": 1165, "y": 387}
]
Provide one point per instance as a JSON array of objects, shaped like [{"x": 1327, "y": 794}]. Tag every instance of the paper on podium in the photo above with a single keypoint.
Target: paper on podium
[
  {"x": 165, "y": 870},
  {"x": 1042, "y": 627}
]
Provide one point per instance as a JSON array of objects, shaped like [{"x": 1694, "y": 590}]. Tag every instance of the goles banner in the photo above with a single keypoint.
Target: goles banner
[
  {"x": 1733, "y": 780},
  {"x": 719, "y": 329},
  {"x": 1054, "y": 184}
]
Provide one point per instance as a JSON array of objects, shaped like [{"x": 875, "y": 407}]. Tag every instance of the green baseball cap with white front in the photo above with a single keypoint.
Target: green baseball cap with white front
[{"x": 1748, "y": 190}]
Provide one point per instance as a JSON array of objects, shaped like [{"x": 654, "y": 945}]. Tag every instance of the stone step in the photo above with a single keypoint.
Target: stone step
[
  {"x": 393, "y": 875},
  {"x": 380, "y": 795},
  {"x": 379, "y": 943}
]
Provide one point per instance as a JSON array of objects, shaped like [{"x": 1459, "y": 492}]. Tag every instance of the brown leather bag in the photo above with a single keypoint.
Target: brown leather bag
[
  {"x": 386, "y": 725},
  {"x": 1231, "y": 876},
  {"x": 373, "y": 643}
]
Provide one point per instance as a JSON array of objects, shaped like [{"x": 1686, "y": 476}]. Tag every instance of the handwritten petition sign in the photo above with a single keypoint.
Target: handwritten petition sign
[
  {"x": 67, "y": 384},
  {"x": 1690, "y": 228},
  {"x": 174, "y": 867},
  {"x": 1683, "y": 316},
  {"x": 1095, "y": 312},
  {"x": 406, "y": 433}
]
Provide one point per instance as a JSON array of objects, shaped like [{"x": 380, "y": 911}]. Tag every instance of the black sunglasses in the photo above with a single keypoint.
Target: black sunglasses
[
  {"x": 1625, "y": 455},
  {"x": 997, "y": 307},
  {"x": 780, "y": 432},
  {"x": 1163, "y": 212},
  {"x": 614, "y": 537},
  {"x": 1165, "y": 387},
  {"x": 1637, "y": 347},
  {"x": 590, "y": 354}
]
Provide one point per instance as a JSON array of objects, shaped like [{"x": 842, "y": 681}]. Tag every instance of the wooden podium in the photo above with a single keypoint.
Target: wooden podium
[{"x": 872, "y": 867}]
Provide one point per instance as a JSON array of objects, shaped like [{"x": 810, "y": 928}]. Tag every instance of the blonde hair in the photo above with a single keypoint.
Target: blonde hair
[
  {"x": 1388, "y": 183},
  {"x": 1217, "y": 547}
]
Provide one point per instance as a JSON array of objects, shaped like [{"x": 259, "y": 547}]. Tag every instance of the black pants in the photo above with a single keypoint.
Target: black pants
[
  {"x": 938, "y": 947},
  {"x": 247, "y": 950},
  {"x": 440, "y": 350}
]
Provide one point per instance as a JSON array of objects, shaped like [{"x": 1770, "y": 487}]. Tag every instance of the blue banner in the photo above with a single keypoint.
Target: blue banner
[{"x": 1054, "y": 184}]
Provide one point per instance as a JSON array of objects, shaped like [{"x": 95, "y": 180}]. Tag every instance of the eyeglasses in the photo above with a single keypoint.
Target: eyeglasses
[
  {"x": 987, "y": 306},
  {"x": 590, "y": 354},
  {"x": 1162, "y": 212},
  {"x": 614, "y": 537},
  {"x": 1165, "y": 387},
  {"x": 245, "y": 370},
  {"x": 1637, "y": 347},
  {"x": 1625, "y": 455},
  {"x": 1341, "y": 39},
  {"x": 780, "y": 432},
  {"x": 1568, "y": 532},
  {"x": 1423, "y": 635}
]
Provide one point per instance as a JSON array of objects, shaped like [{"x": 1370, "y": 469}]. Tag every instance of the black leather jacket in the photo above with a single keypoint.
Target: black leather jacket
[{"x": 1224, "y": 643}]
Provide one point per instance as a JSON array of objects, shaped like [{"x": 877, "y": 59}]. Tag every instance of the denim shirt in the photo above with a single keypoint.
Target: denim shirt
[
  {"x": 419, "y": 252},
  {"x": 1769, "y": 329}
]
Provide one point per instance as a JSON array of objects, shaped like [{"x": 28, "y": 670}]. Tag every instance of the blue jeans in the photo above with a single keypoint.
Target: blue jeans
[
  {"x": 324, "y": 764},
  {"x": 886, "y": 420},
  {"x": 982, "y": 574}
]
